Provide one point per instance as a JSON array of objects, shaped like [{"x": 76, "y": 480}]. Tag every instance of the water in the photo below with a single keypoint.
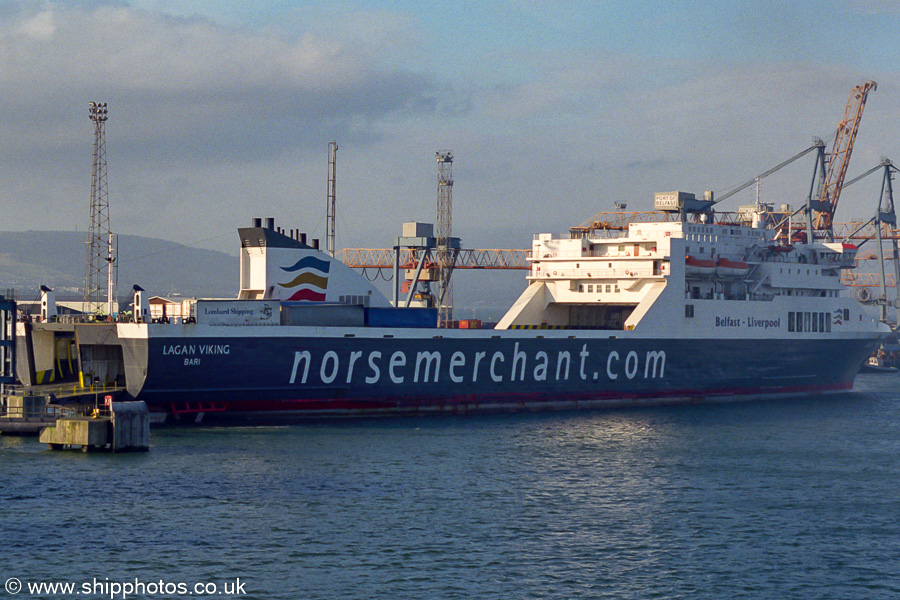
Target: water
[{"x": 769, "y": 499}]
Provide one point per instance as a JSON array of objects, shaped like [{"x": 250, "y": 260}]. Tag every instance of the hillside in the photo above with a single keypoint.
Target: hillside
[{"x": 57, "y": 259}]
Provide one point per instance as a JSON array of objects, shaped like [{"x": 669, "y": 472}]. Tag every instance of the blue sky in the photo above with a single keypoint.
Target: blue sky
[
  {"x": 222, "y": 111},
  {"x": 855, "y": 32}
]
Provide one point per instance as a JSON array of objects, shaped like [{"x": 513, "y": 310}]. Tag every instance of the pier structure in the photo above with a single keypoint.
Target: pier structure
[{"x": 118, "y": 427}]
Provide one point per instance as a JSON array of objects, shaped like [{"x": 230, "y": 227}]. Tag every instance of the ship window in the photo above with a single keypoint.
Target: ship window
[
  {"x": 791, "y": 322},
  {"x": 822, "y": 320},
  {"x": 846, "y": 314},
  {"x": 590, "y": 289},
  {"x": 807, "y": 321},
  {"x": 608, "y": 288},
  {"x": 689, "y": 311},
  {"x": 616, "y": 289},
  {"x": 827, "y": 323},
  {"x": 701, "y": 250},
  {"x": 815, "y": 323},
  {"x": 581, "y": 287}
]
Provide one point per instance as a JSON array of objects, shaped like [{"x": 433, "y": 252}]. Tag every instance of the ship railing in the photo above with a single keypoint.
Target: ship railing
[
  {"x": 99, "y": 387},
  {"x": 51, "y": 411},
  {"x": 645, "y": 271},
  {"x": 71, "y": 388},
  {"x": 32, "y": 411},
  {"x": 98, "y": 319}
]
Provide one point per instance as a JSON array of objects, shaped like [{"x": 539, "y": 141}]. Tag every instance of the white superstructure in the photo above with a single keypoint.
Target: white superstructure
[{"x": 688, "y": 279}]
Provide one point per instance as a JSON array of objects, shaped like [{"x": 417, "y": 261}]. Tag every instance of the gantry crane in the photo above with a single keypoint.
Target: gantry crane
[{"x": 383, "y": 258}]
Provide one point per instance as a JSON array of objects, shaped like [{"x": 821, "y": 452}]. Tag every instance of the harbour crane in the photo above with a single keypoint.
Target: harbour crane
[
  {"x": 839, "y": 160},
  {"x": 819, "y": 212}
]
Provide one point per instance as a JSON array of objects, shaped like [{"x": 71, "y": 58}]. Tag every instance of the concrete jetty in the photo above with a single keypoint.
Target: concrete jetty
[{"x": 124, "y": 428}]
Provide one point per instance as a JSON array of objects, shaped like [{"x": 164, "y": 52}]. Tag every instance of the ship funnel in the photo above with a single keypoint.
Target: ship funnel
[
  {"x": 257, "y": 222},
  {"x": 270, "y": 223}
]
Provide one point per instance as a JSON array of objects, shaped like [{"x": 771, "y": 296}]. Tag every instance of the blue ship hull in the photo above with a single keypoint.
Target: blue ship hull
[{"x": 455, "y": 373}]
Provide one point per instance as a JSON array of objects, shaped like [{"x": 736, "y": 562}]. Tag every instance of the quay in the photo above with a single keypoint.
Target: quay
[
  {"x": 89, "y": 425},
  {"x": 123, "y": 427},
  {"x": 25, "y": 410}
]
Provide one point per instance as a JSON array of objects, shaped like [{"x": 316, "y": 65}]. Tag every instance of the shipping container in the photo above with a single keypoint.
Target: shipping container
[{"x": 401, "y": 317}]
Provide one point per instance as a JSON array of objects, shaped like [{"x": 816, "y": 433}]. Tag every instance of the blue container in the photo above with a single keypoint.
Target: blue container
[{"x": 401, "y": 317}]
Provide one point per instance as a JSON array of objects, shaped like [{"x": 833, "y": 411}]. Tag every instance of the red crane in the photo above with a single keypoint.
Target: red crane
[{"x": 840, "y": 156}]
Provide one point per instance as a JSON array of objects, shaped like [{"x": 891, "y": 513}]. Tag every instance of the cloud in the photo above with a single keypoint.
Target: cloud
[
  {"x": 211, "y": 124},
  {"x": 187, "y": 83}
]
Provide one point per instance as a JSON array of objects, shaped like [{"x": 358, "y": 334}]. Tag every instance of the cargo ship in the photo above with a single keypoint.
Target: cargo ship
[
  {"x": 680, "y": 305},
  {"x": 690, "y": 308}
]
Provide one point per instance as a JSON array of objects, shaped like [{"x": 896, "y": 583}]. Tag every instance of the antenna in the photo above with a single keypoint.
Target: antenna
[
  {"x": 98, "y": 265},
  {"x": 444, "y": 234},
  {"x": 332, "y": 198}
]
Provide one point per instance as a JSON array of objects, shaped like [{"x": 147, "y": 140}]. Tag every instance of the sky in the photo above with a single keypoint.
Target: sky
[{"x": 222, "y": 111}]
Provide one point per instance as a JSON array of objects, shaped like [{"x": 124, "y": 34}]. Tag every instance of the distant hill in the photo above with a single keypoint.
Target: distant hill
[
  {"x": 57, "y": 259},
  {"x": 30, "y": 259}
]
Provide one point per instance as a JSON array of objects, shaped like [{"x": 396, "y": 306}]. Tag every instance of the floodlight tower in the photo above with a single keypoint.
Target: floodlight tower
[
  {"x": 332, "y": 198},
  {"x": 443, "y": 235},
  {"x": 98, "y": 266}
]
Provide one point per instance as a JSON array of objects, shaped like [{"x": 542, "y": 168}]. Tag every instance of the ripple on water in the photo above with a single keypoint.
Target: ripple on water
[{"x": 794, "y": 499}]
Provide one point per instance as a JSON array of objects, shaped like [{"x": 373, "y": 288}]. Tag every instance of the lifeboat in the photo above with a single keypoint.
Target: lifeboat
[
  {"x": 731, "y": 268},
  {"x": 699, "y": 267}
]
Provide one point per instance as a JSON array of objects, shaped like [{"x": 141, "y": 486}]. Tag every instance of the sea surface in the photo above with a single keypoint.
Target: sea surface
[{"x": 766, "y": 499}]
